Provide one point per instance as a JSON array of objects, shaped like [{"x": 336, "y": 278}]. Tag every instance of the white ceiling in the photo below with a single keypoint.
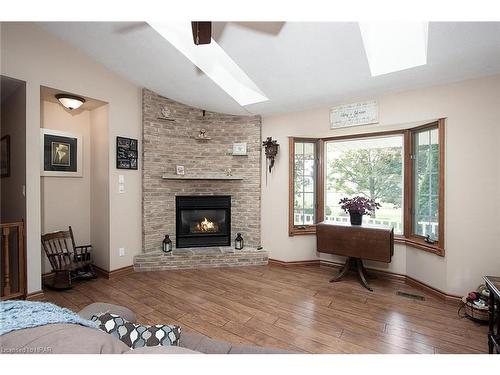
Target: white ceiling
[{"x": 299, "y": 65}]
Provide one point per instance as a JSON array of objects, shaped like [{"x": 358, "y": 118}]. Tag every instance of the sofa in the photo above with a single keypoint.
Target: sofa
[{"x": 77, "y": 339}]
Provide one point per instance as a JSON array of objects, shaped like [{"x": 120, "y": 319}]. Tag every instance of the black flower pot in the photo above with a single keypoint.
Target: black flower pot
[{"x": 356, "y": 218}]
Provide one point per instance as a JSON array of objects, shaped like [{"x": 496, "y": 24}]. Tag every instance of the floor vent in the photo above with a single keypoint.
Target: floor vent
[{"x": 410, "y": 295}]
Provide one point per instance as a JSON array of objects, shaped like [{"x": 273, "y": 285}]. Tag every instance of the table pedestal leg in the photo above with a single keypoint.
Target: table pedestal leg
[
  {"x": 361, "y": 274},
  {"x": 356, "y": 264},
  {"x": 343, "y": 271}
]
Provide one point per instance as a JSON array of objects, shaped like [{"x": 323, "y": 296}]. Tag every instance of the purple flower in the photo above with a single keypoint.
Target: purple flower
[{"x": 359, "y": 205}]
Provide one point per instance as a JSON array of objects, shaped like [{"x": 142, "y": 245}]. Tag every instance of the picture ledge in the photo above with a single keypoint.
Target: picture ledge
[{"x": 213, "y": 177}]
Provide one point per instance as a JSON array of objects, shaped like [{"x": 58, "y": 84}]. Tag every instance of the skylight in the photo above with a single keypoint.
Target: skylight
[
  {"x": 394, "y": 46},
  {"x": 213, "y": 61}
]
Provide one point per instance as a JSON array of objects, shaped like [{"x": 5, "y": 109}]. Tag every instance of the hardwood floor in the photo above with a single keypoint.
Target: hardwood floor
[{"x": 292, "y": 308}]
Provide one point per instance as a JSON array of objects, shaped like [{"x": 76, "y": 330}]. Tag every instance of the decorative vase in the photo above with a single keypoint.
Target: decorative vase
[{"x": 356, "y": 218}]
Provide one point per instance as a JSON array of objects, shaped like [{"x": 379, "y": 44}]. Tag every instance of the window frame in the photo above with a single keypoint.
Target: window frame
[
  {"x": 318, "y": 149},
  {"x": 408, "y": 237}
]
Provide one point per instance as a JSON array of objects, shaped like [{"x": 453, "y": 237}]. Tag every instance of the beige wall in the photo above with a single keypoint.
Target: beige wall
[
  {"x": 99, "y": 188},
  {"x": 472, "y": 109},
  {"x": 35, "y": 56}
]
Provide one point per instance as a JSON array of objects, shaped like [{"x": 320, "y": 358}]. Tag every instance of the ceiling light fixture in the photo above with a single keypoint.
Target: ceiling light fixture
[
  {"x": 70, "y": 101},
  {"x": 394, "y": 46},
  {"x": 213, "y": 61}
]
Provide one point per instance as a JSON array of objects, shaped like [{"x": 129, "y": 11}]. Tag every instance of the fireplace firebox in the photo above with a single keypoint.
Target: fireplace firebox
[{"x": 203, "y": 221}]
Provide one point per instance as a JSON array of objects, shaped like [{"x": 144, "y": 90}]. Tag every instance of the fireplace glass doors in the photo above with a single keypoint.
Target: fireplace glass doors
[{"x": 203, "y": 221}]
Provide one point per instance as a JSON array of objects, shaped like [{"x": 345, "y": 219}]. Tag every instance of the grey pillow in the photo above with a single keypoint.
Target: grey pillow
[
  {"x": 98, "y": 308},
  {"x": 138, "y": 335}
]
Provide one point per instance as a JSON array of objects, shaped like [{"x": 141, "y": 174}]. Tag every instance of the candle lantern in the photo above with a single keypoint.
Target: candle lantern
[
  {"x": 167, "y": 244},
  {"x": 238, "y": 242}
]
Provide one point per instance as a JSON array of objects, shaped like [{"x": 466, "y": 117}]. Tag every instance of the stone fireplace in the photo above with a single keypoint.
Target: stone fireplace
[
  {"x": 203, "y": 221},
  {"x": 201, "y": 229}
]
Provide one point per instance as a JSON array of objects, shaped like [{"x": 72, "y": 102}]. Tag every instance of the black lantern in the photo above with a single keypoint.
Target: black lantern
[
  {"x": 238, "y": 242},
  {"x": 167, "y": 244}
]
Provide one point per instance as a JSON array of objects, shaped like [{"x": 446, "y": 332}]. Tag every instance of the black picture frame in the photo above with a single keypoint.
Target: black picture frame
[
  {"x": 5, "y": 156},
  {"x": 127, "y": 153},
  {"x": 60, "y": 153}
]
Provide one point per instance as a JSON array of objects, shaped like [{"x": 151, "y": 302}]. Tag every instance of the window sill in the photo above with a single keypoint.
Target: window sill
[
  {"x": 298, "y": 231},
  {"x": 422, "y": 245}
]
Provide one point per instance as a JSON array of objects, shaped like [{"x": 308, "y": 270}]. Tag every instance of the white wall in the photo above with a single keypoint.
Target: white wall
[
  {"x": 472, "y": 176},
  {"x": 35, "y": 56}
]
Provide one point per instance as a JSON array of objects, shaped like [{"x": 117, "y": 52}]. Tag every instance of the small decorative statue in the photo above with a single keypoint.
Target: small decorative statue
[
  {"x": 167, "y": 244},
  {"x": 238, "y": 242},
  {"x": 165, "y": 112},
  {"x": 271, "y": 148},
  {"x": 203, "y": 134}
]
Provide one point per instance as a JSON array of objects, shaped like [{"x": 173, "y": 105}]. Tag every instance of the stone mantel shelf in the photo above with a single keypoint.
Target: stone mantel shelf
[{"x": 191, "y": 178}]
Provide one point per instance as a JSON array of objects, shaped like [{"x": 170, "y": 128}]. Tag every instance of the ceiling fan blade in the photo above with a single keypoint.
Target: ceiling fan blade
[
  {"x": 218, "y": 29},
  {"x": 202, "y": 32},
  {"x": 129, "y": 27},
  {"x": 272, "y": 28}
]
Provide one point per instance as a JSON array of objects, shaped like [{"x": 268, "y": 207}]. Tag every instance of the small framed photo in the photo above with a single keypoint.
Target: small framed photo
[
  {"x": 239, "y": 149},
  {"x": 5, "y": 156},
  {"x": 126, "y": 153},
  {"x": 61, "y": 154},
  {"x": 179, "y": 169}
]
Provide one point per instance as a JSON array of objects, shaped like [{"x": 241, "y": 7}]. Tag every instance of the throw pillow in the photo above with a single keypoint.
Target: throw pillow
[{"x": 138, "y": 335}]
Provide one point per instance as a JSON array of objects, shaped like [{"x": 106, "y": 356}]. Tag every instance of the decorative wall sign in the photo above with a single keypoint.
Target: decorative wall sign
[
  {"x": 5, "y": 156},
  {"x": 239, "y": 149},
  {"x": 126, "y": 153},
  {"x": 62, "y": 154},
  {"x": 354, "y": 114}
]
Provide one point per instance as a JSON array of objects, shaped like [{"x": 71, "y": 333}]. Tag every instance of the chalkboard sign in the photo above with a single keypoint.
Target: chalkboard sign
[{"x": 126, "y": 153}]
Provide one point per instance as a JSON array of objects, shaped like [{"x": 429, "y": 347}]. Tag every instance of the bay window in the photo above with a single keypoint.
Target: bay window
[
  {"x": 402, "y": 170},
  {"x": 369, "y": 167}
]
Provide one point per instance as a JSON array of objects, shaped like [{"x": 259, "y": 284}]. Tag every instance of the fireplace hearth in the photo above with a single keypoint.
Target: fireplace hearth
[{"x": 203, "y": 221}]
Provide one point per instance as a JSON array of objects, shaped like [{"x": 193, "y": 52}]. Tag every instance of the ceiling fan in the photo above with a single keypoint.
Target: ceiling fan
[
  {"x": 202, "y": 32},
  {"x": 212, "y": 60},
  {"x": 205, "y": 31}
]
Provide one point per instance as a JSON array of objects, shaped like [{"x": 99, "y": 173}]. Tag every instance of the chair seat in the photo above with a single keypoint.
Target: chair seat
[{"x": 75, "y": 265}]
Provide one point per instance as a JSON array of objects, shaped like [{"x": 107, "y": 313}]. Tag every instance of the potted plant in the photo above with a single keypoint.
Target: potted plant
[{"x": 357, "y": 207}]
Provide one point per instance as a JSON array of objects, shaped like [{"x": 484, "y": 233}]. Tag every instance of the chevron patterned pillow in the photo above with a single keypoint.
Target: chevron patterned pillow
[{"x": 138, "y": 335}]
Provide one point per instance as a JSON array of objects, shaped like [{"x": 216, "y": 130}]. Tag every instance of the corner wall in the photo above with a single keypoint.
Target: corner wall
[
  {"x": 472, "y": 179},
  {"x": 31, "y": 54}
]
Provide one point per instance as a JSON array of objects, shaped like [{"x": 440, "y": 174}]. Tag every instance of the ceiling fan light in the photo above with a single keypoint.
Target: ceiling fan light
[{"x": 70, "y": 101}]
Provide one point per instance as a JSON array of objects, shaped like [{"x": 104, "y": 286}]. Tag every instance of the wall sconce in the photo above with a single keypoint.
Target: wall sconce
[
  {"x": 70, "y": 101},
  {"x": 271, "y": 147}
]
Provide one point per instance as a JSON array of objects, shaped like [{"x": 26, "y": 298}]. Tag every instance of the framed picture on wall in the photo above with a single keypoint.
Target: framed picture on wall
[
  {"x": 127, "y": 153},
  {"x": 61, "y": 154},
  {"x": 5, "y": 156}
]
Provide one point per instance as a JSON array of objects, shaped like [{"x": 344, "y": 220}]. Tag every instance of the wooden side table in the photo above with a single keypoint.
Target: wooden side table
[
  {"x": 356, "y": 242},
  {"x": 493, "y": 285}
]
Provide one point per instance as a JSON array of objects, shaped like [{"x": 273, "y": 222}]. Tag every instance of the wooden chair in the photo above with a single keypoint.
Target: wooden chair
[{"x": 69, "y": 262}]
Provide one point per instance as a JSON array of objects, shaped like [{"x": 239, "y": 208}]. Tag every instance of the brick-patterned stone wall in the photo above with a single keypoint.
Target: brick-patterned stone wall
[{"x": 170, "y": 143}]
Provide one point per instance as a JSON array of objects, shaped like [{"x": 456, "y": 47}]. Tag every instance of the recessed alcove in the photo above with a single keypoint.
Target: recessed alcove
[{"x": 77, "y": 201}]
